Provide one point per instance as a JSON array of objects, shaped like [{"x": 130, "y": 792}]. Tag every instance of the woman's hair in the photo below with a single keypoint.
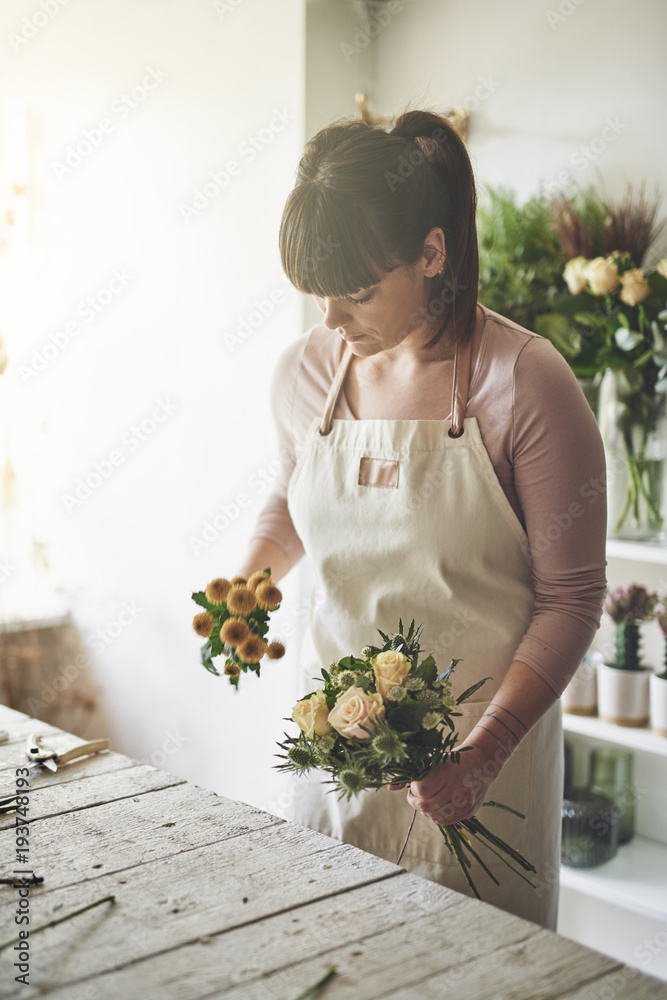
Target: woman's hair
[{"x": 365, "y": 200}]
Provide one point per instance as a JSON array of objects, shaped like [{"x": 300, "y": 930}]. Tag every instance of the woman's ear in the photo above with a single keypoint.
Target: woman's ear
[{"x": 434, "y": 253}]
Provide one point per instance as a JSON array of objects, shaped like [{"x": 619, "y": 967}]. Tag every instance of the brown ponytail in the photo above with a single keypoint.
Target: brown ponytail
[{"x": 364, "y": 201}]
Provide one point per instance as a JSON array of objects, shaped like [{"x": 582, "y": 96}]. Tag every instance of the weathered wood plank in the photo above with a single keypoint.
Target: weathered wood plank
[
  {"x": 431, "y": 960},
  {"x": 169, "y": 901},
  {"x": 56, "y": 798},
  {"x": 279, "y": 943},
  {"x": 622, "y": 984},
  {"x": 110, "y": 835}
]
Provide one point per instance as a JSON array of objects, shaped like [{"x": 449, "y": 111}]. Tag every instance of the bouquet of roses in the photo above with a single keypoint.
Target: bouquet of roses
[
  {"x": 235, "y": 622},
  {"x": 385, "y": 718}
]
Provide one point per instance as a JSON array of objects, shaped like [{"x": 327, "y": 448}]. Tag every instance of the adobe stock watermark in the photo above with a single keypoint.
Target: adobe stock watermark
[
  {"x": 103, "y": 637},
  {"x": 363, "y": 35},
  {"x": 259, "y": 483},
  {"x": 32, "y": 24},
  {"x": 92, "y": 138},
  {"x": 87, "y": 312},
  {"x": 247, "y": 151},
  {"x": 250, "y": 322},
  {"x": 6, "y": 570},
  {"x": 223, "y": 7},
  {"x": 130, "y": 442},
  {"x": 172, "y": 743},
  {"x": 582, "y": 158},
  {"x": 565, "y": 9}
]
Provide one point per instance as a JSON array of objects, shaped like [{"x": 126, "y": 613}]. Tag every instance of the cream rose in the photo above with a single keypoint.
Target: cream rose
[
  {"x": 311, "y": 715},
  {"x": 354, "y": 709},
  {"x": 661, "y": 267},
  {"x": 574, "y": 275},
  {"x": 390, "y": 669},
  {"x": 601, "y": 274},
  {"x": 634, "y": 287}
]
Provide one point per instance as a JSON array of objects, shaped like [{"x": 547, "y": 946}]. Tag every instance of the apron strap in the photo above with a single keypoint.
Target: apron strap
[
  {"x": 460, "y": 386},
  {"x": 459, "y": 389},
  {"x": 334, "y": 391}
]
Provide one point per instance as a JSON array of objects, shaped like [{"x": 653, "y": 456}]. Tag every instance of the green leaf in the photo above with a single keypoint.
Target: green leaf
[
  {"x": 200, "y": 599},
  {"x": 471, "y": 690},
  {"x": 427, "y": 670},
  {"x": 406, "y": 716},
  {"x": 206, "y": 659}
]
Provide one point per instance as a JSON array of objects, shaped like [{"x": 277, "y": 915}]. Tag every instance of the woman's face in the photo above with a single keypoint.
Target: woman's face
[{"x": 385, "y": 315}]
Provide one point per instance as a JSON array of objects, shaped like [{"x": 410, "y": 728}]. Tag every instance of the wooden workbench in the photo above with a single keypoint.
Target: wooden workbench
[{"x": 214, "y": 898}]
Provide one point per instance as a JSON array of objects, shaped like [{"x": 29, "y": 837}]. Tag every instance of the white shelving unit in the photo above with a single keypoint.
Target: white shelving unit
[
  {"x": 619, "y": 906},
  {"x": 624, "y": 736}
]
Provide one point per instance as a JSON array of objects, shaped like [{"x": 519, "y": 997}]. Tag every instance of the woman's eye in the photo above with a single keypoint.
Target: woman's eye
[{"x": 359, "y": 302}]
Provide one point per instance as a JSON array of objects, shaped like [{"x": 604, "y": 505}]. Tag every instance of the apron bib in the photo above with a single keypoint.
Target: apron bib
[{"x": 405, "y": 519}]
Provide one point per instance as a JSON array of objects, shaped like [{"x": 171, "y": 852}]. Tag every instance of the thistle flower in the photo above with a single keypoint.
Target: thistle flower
[
  {"x": 256, "y": 578},
  {"x": 241, "y": 601},
  {"x": 387, "y": 744},
  {"x": 217, "y": 590},
  {"x": 431, "y": 720},
  {"x": 430, "y": 698},
  {"x": 275, "y": 650},
  {"x": 415, "y": 684},
  {"x": 346, "y": 678},
  {"x": 252, "y": 649},
  {"x": 352, "y": 780},
  {"x": 232, "y": 669},
  {"x": 396, "y": 693},
  {"x": 203, "y": 624},
  {"x": 234, "y": 631},
  {"x": 268, "y": 597},
  {"x": 301, "y": 757},
  {"x": 366, "y": 652}
]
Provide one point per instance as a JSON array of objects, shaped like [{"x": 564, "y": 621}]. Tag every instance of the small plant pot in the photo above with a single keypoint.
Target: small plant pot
[
  {"x": 658, "y": 688},
  {"x": 623, "y": 695},
  {"x": 580, "y": 697}
]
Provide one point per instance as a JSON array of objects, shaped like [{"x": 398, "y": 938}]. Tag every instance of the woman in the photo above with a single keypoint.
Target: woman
[{"x": 439, "y": 466}]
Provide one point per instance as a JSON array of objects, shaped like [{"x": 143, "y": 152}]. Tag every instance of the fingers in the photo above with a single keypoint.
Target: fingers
[{"x": 395, "y": 788}]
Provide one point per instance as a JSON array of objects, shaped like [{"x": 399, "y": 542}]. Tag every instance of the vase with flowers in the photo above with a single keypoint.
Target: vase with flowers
[
  {"x": 610, "y": 325},
  {"x": 623, "y": 684}
]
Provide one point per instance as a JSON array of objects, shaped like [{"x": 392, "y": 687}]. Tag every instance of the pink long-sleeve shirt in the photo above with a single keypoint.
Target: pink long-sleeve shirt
[{"x": 545, "y": 446}]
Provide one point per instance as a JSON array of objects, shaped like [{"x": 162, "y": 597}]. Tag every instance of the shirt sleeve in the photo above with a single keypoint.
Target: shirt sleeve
[
  {"x": 274, "y": 521},
  {"x": 560, "y": 480}
]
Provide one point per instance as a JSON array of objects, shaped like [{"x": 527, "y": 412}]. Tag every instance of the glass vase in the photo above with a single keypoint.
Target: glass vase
[
  {"x": 633, "y": 424},
  {"x": 611, "y": 774}
]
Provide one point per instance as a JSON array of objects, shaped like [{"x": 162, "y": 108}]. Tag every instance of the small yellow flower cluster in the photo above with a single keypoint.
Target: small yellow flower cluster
[{"x": 236, "y": 608}]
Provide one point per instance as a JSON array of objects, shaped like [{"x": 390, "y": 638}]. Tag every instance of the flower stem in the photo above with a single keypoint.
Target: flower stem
[
  {"x": 60, "y": 920},
  {"x": 405, "y": 842}
]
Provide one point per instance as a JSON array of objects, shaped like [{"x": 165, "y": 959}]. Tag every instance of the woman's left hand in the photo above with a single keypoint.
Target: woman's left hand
[{"x": 453, "y": 792}]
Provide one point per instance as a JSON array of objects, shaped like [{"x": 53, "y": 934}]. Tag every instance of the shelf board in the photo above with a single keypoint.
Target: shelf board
[
  {"x": 636, "y": 879},
  {"x": 626, "y": 736},
  {"x": 650, "y": 552}
]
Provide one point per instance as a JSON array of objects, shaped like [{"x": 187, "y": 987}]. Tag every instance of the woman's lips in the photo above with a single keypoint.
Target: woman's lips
[{"x": 350, "y": 338}]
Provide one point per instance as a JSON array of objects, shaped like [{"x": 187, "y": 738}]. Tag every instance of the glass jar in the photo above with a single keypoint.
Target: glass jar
[
  {"x": 633, "y": 425},
  {"x": 611, "y": 773},
  {"x": 590, "y": 829}
]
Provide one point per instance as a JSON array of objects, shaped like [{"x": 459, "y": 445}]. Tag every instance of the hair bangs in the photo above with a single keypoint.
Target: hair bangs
[{"x": 327, "y": 245}]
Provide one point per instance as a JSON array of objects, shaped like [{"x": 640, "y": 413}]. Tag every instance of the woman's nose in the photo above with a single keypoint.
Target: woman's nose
[{"x": 334, "y": 311}]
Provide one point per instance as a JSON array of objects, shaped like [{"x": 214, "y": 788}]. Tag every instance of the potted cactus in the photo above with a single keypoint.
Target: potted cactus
[
  {"x": 658, "y": 685},
  {"x": 623, "y": 685}
]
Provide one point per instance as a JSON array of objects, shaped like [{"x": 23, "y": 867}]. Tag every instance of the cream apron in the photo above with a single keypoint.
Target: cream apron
[{"x": 404, "y": 519}]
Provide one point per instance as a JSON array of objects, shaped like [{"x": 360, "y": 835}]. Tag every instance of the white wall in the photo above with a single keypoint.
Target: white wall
[
  {"x": 541, "y": 86},
  {"x": 225, "y": 71}
]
